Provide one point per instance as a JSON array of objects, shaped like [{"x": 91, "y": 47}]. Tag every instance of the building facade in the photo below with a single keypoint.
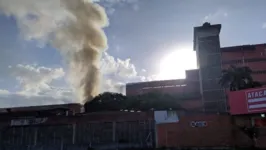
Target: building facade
[
  {"x": 66, "y": 127},
  {"x": 108, "y": 130},
  {"x": 207, "y": 47},
  {"x": 253, "y": 56},
  {"x": 117, "y": 130},
  {"x": 211, "y": 58}
]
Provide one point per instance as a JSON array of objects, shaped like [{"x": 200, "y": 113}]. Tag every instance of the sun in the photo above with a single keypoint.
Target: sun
[{"x": 174, "y": 64}]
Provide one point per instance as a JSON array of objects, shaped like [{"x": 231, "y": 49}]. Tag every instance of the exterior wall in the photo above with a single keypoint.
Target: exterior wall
[
  {"x": 253, "y": 56},
  {"x": 240, "y": 139},
  {"x": 207, "y": 46},
  {"x": 124, "y": 129},
  {"x": 73, "y": 107},
  {"x": 102, "y": 130},
  {"x": 217, "y": 133},
  {"x": 189, "y": 90},
  {"x": 250, "y": 101},
  {"x": 192, "y": 104},
  {"x": 174, "y": 87},
  {"x": 168, "y": 86}
]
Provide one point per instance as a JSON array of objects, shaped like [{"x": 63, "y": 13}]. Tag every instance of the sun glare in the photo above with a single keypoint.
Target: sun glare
[{"x": 174, "y": 65}]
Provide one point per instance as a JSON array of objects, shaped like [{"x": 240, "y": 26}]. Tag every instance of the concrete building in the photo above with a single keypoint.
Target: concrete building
[
  {"x": 65, "y": 127},
  {"x": 211, "y": 58}
]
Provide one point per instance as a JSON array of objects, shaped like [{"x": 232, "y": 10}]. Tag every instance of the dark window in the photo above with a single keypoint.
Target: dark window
[
  {"x": 259, "y": 72},
  {"x": 255, "y": 59},
  {"x": 239, "y": 61}
]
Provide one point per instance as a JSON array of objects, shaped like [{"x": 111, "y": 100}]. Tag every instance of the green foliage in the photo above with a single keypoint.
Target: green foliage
[
  {"x": 117, "y": 102},
  {"x": 106, "y": 102},
  {"x": 238, "y": 78}
]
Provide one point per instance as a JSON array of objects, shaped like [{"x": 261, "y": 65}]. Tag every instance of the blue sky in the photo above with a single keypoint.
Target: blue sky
[{"x": 141, "y": 34}]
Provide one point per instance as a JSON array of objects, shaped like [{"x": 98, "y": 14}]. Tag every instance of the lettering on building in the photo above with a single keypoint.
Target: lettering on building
[
  {"x": 25, "y": 122},
  {"x": 256, "y": 94},
  {"x": 256, "y": 100},
  {"x": 195, "y": 124}
]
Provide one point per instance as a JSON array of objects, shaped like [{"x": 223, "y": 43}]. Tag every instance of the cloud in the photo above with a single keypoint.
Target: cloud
[
  {"x": 143, "y": 70},
  {"x": 113, "y": 86},
  {"x": 214, "y": 16},
  {"x": 110, "y": 5},
  {"x": 117, "y": 73},
  {"x": 4, "y": 92},
  {"x": 35, "y": 82},
  {"x": 18, "y": 100},
  {"x": 34, "y": 79},
  {"x": 118, "y": 67},
  {"x": 264, "y": 25}
]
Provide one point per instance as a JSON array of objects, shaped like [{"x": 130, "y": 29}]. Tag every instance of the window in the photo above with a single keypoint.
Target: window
[
  {"x": 238, "y": 61},
  {"x": 259, "y": 72}
]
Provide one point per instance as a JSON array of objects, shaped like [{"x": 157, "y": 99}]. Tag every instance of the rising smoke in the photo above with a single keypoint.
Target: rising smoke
[{"x": 74, "y": 27}]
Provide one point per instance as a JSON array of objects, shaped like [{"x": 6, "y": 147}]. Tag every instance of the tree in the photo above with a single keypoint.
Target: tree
[
  {"x": 238, "y": 78},
  {"x": 252, "y": 133},
  {"x": 108, "y": 101}
]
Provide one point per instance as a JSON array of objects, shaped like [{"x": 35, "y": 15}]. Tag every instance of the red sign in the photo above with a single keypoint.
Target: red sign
[
  {"x": 247, "y": 101},
  {"x": 256, "y": 100}
]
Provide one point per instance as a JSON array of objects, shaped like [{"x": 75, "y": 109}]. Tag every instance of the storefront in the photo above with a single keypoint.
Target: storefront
[{"x": 248, "y": 109}]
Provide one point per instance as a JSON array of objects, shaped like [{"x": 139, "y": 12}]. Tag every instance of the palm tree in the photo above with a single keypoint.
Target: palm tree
[{"x": 238, "y": 78}]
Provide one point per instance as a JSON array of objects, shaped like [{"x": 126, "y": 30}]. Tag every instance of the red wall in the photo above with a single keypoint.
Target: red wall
[
  {"x": 91, "y": 117},
  {"x": 166, "y": 86},
  {"x": 249, "y": 54},
  {"x": 240, "y": 103},
  {"x": 217, "y": 133}
]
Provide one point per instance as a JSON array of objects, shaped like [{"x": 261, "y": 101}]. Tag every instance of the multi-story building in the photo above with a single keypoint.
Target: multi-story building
[
  {"x": 211, "y": 58},
  {"x": 65, "y": 127},
  {"x": 253, "y": 56}
]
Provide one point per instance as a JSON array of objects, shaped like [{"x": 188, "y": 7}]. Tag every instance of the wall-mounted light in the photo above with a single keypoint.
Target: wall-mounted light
[{"x": 262, "y": 115}]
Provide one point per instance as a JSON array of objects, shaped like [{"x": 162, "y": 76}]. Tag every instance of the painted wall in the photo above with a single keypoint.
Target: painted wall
[
  {"x": 199, "y": 130},
  {"x": 253, "y": 56},
  {"x": 247, "y": 101}
]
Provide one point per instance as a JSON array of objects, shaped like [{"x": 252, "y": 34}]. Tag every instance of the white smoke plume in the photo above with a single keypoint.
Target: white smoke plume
[{"x": 74, "y": 27}]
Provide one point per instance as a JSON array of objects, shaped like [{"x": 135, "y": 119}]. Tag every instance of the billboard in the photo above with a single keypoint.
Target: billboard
[
  {"x": 256, "y": 100},
  {"x": 247, "y": 101}
]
